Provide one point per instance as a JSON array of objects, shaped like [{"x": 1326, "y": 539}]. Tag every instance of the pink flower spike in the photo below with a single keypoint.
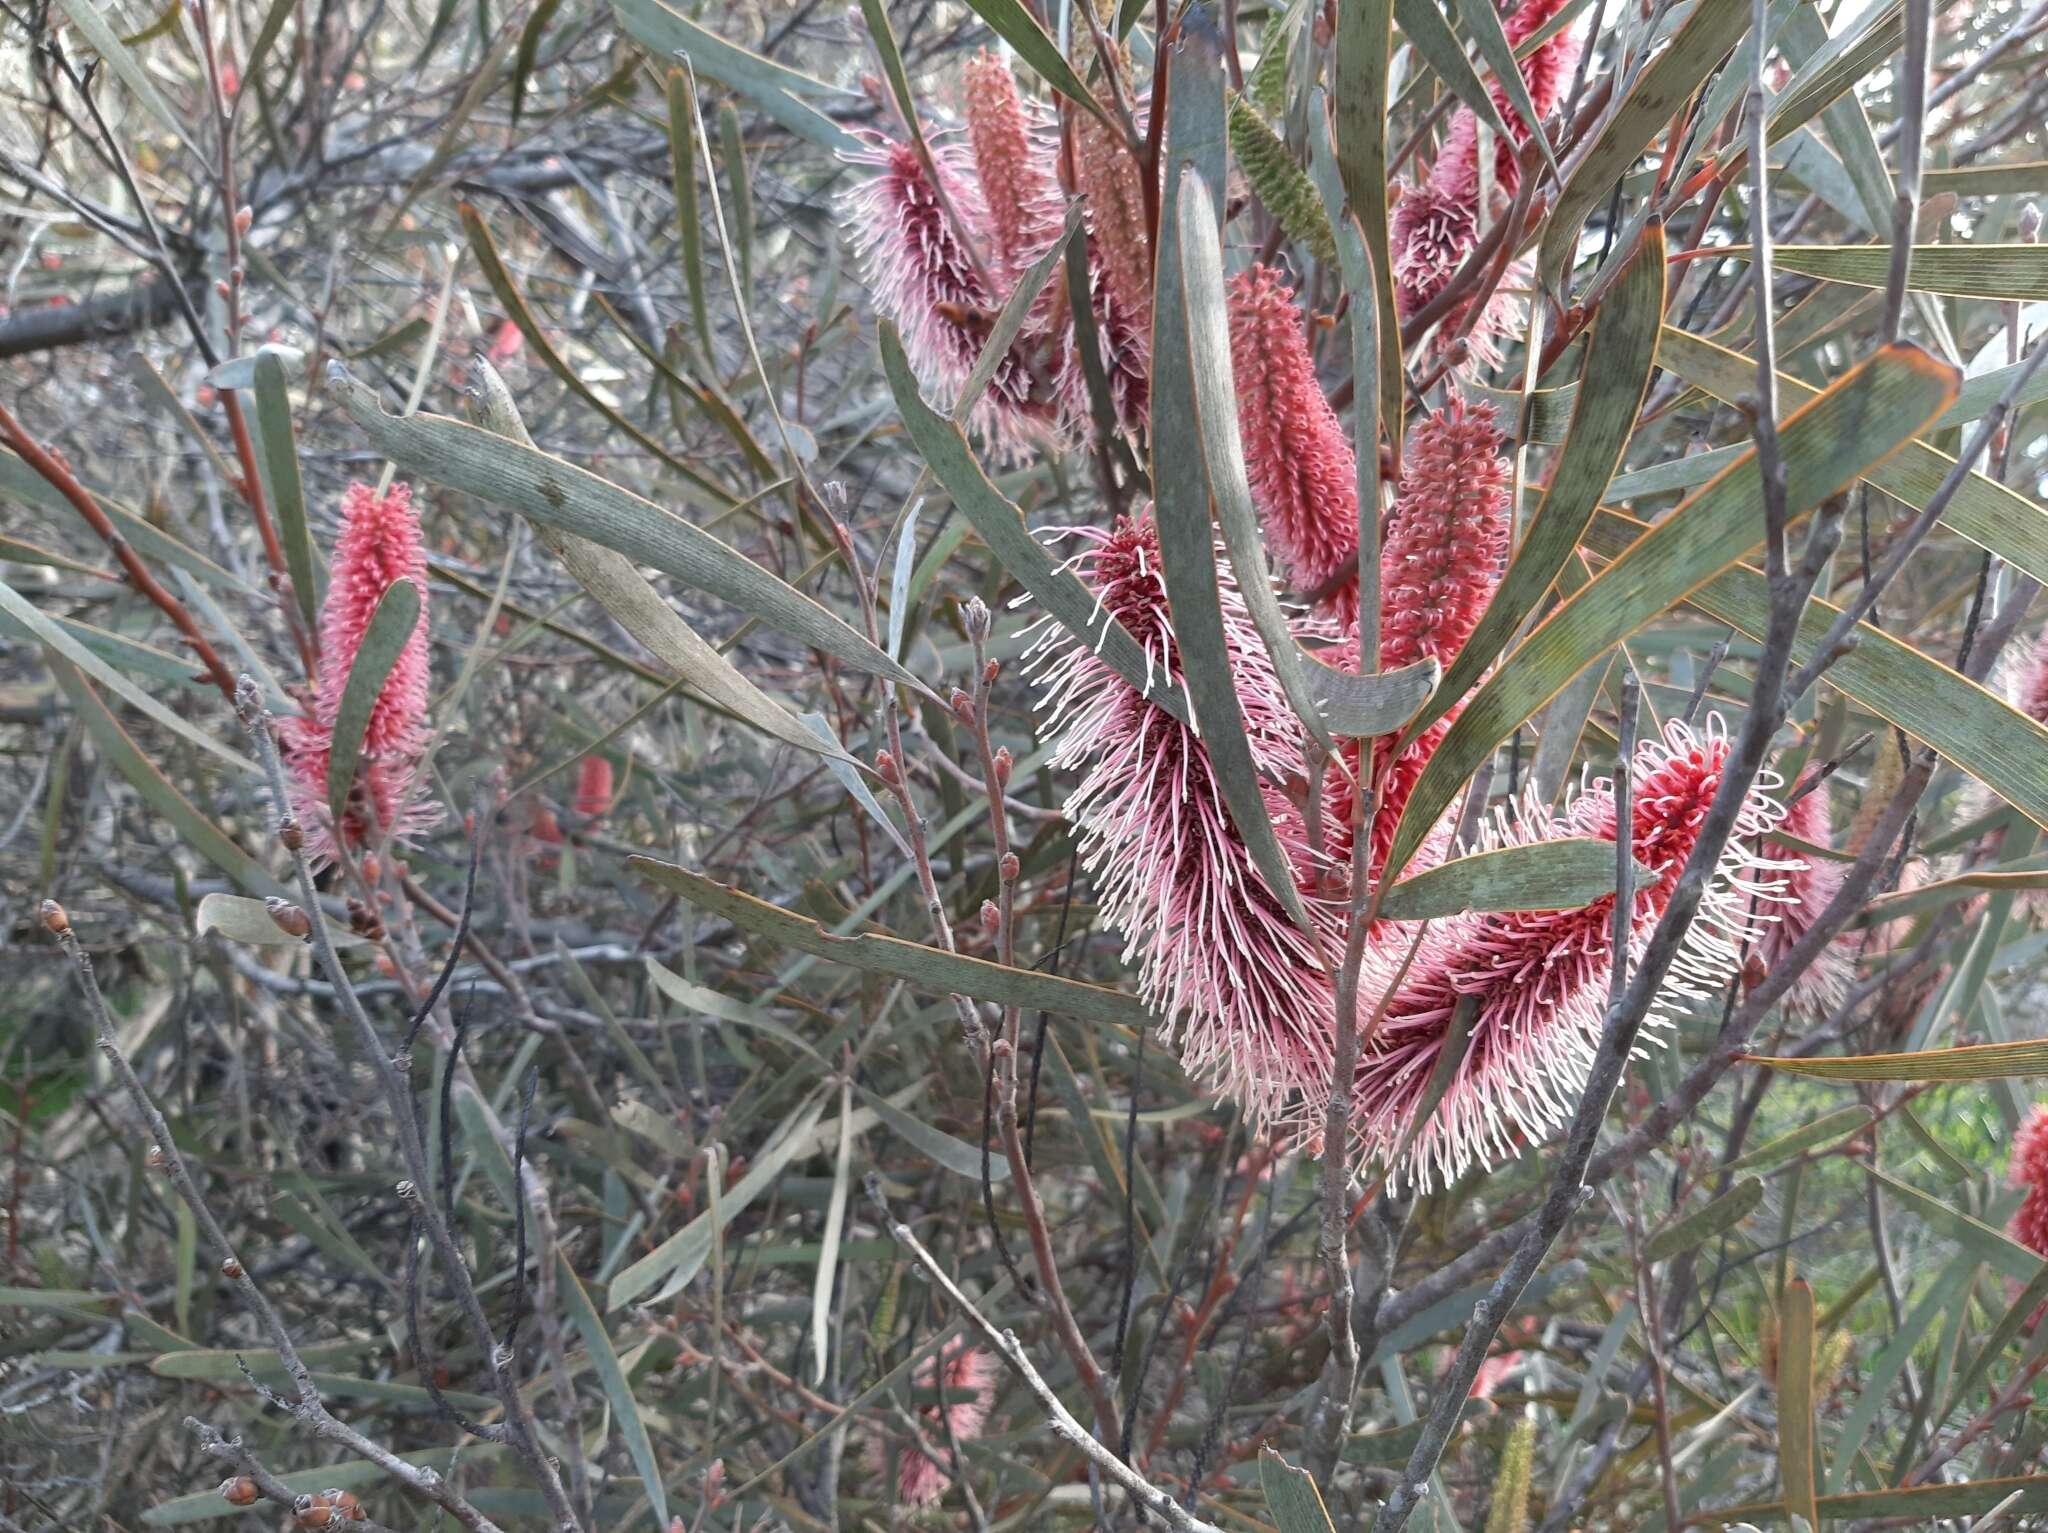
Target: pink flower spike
[
  {"x": 1013, "y": 163},
  {"x": 924, "y": 276},
  {"x": 378, "y": 547},
  {"x": 1432, "y": 232},
  {"x": 2028, "y": 1169},
  {"x": 1303, "y": 472},
  {"x": 1118, "y": 230},
  {"x": 965, "y": 1376},
  {"x": 1235, "y": 979},
  {"x": 1807, "y": 885},
  {"x": 1540, "y": 977}
]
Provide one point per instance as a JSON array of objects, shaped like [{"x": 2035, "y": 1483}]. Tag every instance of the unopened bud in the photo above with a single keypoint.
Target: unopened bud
[
  {"x": 288, "y": 832},
  {"x": 885, "y": 766},
  {"x": 714, "y": 1482},
  {"x": 312, "y": 1511},
  {"x": 55, "y": 921},
  {"x": 230, "y": 1268},
  {"x": 407, "y": 1191},
  {"x": 2030, "y": 222},
  {"x": 238, "y": 1490},
  {"x": 1009, "y": 867},
  {"x": 345, "y": 1503},
  {"x": 1003, "y": 762},
  {"x": 245, "y": 218},
  {"x": 289, "y": 918},
  {"x": 990, "y": 670},
  {"x": 977, "y": 618},
  {"x": 154, "y": 1160},
  {"x": 962, "y": 706},
  {"x": 991, "y": 917},
  {"x": 220, "y": 287}
]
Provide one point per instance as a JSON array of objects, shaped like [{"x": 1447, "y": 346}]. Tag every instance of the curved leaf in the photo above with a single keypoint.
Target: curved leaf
[
  {"x": 391, "y": 628},
  {"x": 1543, "y": 875}
]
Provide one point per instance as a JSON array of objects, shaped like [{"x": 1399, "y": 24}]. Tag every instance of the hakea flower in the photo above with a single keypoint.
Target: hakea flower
[
  {"x": 1304, "y": 476},
  {"x": 2033, "y": 694},
  {"x": 1435, "y": 225},
  {"x": 1013, "y": 162},
  {"x": 924, "y": 275},
  {"x": 1440, "y": 560},
  {"x": 1119, "y": 233},
  {"x": 1217, "y": 955},
  {"x": 1807, "y": 886},
  {"x": 1541, "y": 977},
  {"x": 379, "y": 546},
  {"x": 965, "y": 1377}
]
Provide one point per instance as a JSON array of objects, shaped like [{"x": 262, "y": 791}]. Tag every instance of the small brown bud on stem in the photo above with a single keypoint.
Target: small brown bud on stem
[{"x": 55, "y": 921}]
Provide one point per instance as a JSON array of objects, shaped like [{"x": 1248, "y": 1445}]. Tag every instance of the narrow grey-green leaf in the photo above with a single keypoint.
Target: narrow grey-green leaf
[
  {"x": 392, "y": 626},
  {"x": 1016, "y": 309},
  {"x": 1424, "y": 26},
  {"x": 1544, "y": 875},
  {"x": 2007, "y": 273},
  {"x": 1988, "y": 513},
  {"x": 1020, "y": 29},
  {"x": 1361, "y": 707},
  {"x": 1702, "y": 1225},
  {"x": 1206, "y": 317},
  {"x": 929, "y": 969},
  {"x": 1824, "y": 1130},
  {"x": 547, "y": 490},
  {"x": 780, "y": 93},
  {"x": 1482, "y": 20},
  {"x": 280, "y": 464},
  {"x": 1180, "y": 485},
  {"x": 956, "y": 1155}
]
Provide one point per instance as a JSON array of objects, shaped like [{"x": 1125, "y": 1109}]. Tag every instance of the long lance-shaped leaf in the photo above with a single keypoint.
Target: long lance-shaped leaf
[
  {"x": 1619, "y": 360},
  {"x": 1543, "y": 875},
  {"x": 71, "y": 641},
  {"x": 1983, "y": 510},
  {"x": 280, "y": 465},
  {"x": 1974, "y": 1235},
  {"x": 1865, "y": 416},
  {"x": 1001, "y": 526},
  {"x": 2008, "y": 273},
  {"x": 1972, "y": 1062},
  {"x": 1702, "y": 1225},
  {"x": 2006, "y": 878},
  {"x": 631, "y": 599},
  {"x": 1666, "y": 82},
  {"x": 392, "y": 626},
  {"x": 1010, "y": 320},
  {"x": 780, "y": 93},
  {"x": 546, "y": 489},
  {"x": 1181, "y": 504},
  {"x": 499, "y": 275},
  {"x": 1836, "y": 1125},
  {"x": 1878, "y": 1375},
  {"x": 1328, "y": 700},
  {"x": 1359, "y": 102},
  {"x": 1975, "y": 729},
  {"x": 1795, "y": 1401},
  {"x": 1206, "y": 317},
  {"x": 1917, "y": 1506},
  {"x": 930, "y": 969},
  {"x": 1371, "y": 338}
]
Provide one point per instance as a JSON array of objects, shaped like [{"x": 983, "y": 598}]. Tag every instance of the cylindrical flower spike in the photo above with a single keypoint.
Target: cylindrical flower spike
[
  {"x": 1304, "y": 475},
  {"x": 924, "y": 275},
  {"x": 1439, "y": 564},
  {"x": 1217, "y": 954},
  {"x": 1013, "y": 161},
  {"x": 964, "y": 1376},
  {"x": 593, "y": 788},
  {"x": 1539, "y": 978},
  {"x": 379, "y": 546},
  {"x": 1118, "y": 229}
]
